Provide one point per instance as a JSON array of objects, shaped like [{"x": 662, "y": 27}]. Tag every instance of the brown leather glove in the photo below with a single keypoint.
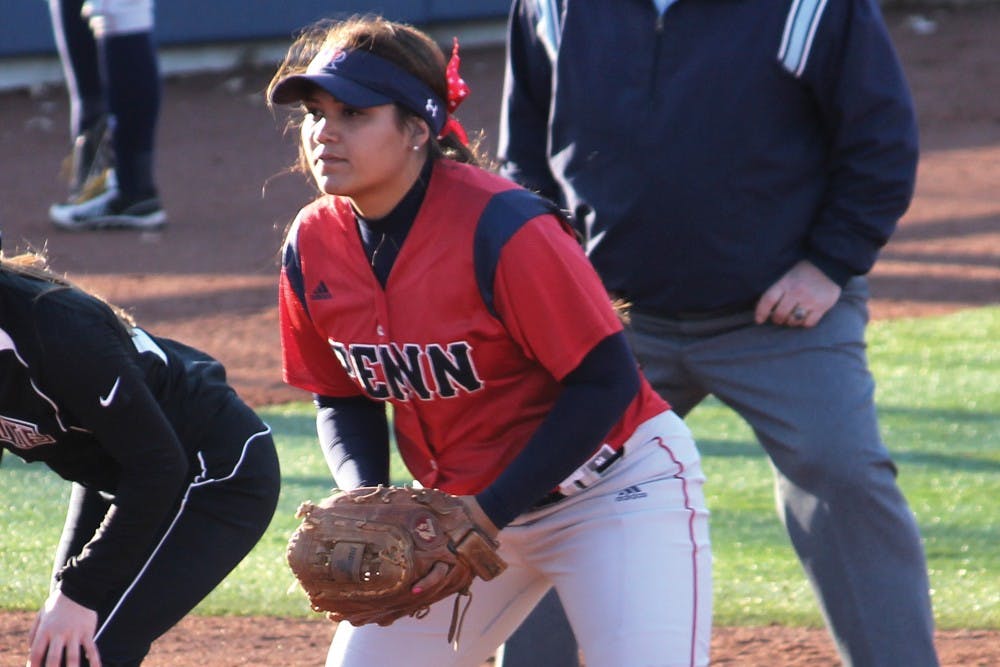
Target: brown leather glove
[{"x": 357, "y": 554}]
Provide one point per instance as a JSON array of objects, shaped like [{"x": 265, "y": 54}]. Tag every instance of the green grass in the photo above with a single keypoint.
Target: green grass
[{"x": 939, "y": 403}]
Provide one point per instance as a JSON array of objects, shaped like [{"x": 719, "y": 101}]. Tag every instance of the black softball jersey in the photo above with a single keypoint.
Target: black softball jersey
[{"x": 137, "y": 418}]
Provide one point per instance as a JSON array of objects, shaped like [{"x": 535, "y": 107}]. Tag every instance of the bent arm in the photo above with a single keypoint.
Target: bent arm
[
  {"x": 593, "y": 399},
  {"x": 864, "y": 100}
]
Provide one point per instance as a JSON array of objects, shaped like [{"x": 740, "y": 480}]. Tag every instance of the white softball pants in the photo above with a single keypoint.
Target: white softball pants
[
  {"x": 118, "y": 17},
  {"x": 629, "y": 556}
]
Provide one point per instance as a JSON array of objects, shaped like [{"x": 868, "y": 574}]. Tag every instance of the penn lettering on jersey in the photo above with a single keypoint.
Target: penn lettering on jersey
[{"x": 403, "y": 371}]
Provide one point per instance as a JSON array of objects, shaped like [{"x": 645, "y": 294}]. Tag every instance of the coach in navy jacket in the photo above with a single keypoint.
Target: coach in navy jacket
[{"x": 734, "y": 167}]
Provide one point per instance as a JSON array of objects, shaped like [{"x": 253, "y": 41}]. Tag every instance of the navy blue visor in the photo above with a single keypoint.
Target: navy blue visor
[{"x": 361, "y": 79}]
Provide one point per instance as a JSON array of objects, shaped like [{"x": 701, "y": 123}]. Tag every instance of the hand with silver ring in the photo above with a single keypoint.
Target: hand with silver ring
[{"x": 803, "y": 284}]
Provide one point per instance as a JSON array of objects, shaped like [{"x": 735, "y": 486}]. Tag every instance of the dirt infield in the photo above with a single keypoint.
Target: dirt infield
[
  {"x": 280, "y": 642},
  {"x": 209, "y": 278}
]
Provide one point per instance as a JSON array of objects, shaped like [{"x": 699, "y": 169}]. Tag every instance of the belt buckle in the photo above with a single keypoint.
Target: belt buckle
[{"x": 714, "y": 313}]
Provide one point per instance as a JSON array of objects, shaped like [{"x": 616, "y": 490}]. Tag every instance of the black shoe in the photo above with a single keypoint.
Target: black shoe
[{"x": 110, "y": 210}]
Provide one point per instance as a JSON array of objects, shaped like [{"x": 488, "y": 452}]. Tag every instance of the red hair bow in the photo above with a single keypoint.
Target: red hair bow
[{"x": 458, "y": 90}]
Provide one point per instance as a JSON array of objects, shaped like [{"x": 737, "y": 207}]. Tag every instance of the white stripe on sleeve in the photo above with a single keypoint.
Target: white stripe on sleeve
[{"x": 800, "y": 29}]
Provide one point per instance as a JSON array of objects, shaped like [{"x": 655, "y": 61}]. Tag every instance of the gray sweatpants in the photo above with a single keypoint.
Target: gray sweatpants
[{"x": 809, "y": 397}]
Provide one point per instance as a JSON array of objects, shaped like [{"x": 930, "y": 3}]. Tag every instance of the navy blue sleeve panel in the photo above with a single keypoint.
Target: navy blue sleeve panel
[
  {"x": 595, "y": 396},
  {"x": 503, "y": 216},
  {"x": 292, "y": 265},
  {"x": 354, "y": 435},
  {"x": 858, "y": 81},
  {"x": 88, "y": 368},
  {"x": 522, "y": 145}
]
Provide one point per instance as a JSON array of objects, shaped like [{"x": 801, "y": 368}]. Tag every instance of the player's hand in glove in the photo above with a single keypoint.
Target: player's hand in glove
[{"x": 376, "y": 554}]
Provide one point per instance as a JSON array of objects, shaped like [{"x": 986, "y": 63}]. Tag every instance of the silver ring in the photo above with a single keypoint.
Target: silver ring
[{"x": 799, "y": 313}]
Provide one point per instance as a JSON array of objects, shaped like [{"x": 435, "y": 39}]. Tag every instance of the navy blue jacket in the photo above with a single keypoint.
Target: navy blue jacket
[{"x": 706, "y": 151}]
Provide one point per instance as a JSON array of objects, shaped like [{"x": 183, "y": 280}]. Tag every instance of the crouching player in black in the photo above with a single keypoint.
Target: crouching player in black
[{"x": 174, "y": 478}]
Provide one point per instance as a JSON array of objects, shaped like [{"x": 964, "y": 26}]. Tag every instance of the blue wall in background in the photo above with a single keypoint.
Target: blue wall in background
[{"x": 25, "y": 27}]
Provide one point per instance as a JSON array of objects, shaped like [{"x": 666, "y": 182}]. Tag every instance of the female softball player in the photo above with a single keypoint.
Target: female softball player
[
  {"x": 174, "y": 478},
  {"x": 420, "y": 280}
]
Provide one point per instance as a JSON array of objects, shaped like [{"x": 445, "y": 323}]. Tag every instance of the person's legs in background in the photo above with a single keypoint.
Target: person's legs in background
[
  {"x": 809, "y": 397},
  {"x": 133, "y": 88},
  {"x": 88, "y": 165},
  {"x": 130, "y": 88},
  {"x": 836, "y": 487}
]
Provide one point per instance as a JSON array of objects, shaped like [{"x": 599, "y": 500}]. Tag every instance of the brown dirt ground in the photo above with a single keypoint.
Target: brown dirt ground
[{"x": 209, "y": 279}]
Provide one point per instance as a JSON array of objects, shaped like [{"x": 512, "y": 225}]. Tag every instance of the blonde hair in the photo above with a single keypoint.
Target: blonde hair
[
  {"x": 400, "y": 44},
  {"x": 35, "y": 265}
]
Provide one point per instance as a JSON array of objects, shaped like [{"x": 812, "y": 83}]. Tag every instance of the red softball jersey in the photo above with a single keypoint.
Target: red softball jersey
[{"x": 490, "y": 303}]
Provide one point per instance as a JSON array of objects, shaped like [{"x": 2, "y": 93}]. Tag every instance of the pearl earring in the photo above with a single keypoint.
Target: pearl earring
[{"x": 416, "y": 147}]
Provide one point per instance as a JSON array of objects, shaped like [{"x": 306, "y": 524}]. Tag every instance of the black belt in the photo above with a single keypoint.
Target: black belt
[
  {"x": 701, "y": 315},
  {"x": 553, "y": 497}
]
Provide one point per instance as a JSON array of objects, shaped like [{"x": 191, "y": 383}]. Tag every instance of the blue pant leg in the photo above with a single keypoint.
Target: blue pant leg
[
  {"x": 78, "y": 54},
  {"x": 134, "y": 94}
]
